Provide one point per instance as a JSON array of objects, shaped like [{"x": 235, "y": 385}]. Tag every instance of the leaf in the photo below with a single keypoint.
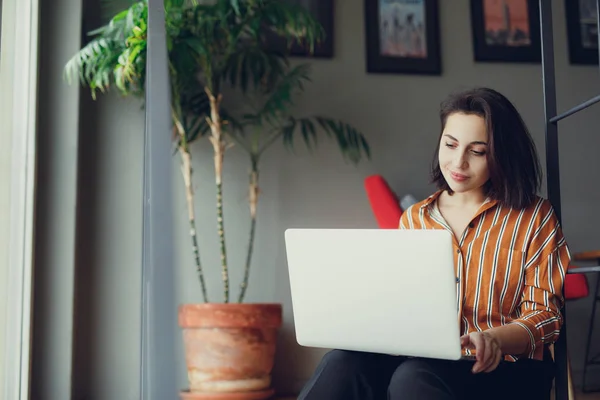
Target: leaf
[
  {"x": 352, "y": 144},
  {"x": 195, "y": 126},
  {"x": 233, "y": 125},
  {"x": 235, "y": 4},
  {"x": 174, "y": 3},
  {"x": 281, "y": 96},
  {"x": 308, "y": 132},
  {"x": 115, "y": 56},
  {"x": 288, "y": 134},
  {"x": 198, "y": 103},
  {"x": 253, "y": 68}
]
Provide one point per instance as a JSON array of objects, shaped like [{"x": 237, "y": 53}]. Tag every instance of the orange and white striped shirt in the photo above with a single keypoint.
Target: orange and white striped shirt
[{"x": 510, "y": 267}]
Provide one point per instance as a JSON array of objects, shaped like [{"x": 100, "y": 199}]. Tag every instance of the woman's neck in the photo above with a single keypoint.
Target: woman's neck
[{"x": 473, "y": 198}]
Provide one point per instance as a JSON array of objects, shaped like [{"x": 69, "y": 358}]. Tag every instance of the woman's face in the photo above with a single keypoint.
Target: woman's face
[{"x": 463, "y": 153}]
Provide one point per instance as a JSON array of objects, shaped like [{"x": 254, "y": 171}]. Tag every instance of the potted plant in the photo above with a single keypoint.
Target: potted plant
[{"x": 230, "y": 345}]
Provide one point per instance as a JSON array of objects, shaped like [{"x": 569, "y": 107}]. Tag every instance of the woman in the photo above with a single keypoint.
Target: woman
[{"x": 510, "y": 263}]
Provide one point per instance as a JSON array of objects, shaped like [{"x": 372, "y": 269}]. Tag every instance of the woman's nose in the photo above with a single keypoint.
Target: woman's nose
[{"x": 460, "y": 160}]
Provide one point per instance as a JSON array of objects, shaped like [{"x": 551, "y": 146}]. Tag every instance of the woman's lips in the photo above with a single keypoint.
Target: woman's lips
[{"x": 458, "y": 177}]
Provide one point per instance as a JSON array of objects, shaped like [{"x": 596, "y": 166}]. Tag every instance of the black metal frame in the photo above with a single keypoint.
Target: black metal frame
[
  {"x": 596, "y": 359},
  {"x": 552, "y": 165}
]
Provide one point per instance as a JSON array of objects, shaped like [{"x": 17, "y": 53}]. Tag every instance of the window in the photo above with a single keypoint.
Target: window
[{"x": 18, "y": 87}]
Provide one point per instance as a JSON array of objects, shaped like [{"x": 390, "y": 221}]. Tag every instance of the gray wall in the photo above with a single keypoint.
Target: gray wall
[{"x": 397, "y": 112}]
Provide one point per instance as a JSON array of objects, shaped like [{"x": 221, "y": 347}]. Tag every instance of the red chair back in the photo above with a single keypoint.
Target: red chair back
[{"x": 384, "y": 202}]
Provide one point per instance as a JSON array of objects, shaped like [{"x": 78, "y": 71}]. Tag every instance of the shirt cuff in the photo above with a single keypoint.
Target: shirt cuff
[{"x": 535, "y": 335}]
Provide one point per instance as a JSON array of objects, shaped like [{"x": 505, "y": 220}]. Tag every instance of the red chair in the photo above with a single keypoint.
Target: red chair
[
  {"x": 384, "y": 202},
  {"x": 387, "y": 210}
]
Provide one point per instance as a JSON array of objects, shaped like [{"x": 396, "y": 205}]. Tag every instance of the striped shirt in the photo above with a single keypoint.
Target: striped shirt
[{"x": 510, "y": 267}]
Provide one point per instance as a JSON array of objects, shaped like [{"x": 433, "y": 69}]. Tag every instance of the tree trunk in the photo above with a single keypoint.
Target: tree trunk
[
  {"x": 253, "y": 200},
  {"x": 218, "y": 142},
  {"x": 186, "y": 170}
]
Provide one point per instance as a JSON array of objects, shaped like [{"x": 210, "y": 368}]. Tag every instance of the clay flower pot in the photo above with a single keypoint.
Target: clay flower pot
[{"x": 229, "y": 349}]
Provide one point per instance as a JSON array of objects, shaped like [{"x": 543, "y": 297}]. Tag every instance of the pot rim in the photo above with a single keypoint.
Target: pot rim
[{"x": 230, "y": 315}]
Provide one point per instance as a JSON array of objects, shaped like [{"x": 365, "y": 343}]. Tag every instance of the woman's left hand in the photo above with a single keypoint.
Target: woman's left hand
[{"x": 488, "y": 350}]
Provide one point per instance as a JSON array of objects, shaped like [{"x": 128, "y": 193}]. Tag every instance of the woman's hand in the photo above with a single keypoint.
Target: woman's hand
[{"x": 488, "y": 348}]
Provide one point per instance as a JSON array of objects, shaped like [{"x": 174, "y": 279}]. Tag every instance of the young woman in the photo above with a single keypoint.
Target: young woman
[{"x": 510, "y": 263}]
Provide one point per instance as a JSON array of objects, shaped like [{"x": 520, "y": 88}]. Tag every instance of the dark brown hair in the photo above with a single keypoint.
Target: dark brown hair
[{"x": 512, "y": 159}]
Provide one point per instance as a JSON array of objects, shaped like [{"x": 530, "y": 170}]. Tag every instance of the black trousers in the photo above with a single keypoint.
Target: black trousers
[{"x": 347, "y": 375}]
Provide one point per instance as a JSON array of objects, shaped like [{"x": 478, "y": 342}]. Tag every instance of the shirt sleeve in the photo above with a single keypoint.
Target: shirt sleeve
[
  {"x": 548, "y": 258},
  {"x": 405, "y": 219}
]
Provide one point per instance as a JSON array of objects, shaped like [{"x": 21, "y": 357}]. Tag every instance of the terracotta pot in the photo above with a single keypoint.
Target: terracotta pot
[{"x": 230, "y": 349}]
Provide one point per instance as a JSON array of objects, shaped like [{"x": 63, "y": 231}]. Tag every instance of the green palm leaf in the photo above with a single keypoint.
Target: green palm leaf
[
  {"x": 115, "y": 55},
  {"x": 281, "y": 96},
  {"x": 195, "y": 107},
  {"x": 252, "y": 67},
  {"x": 352, "y": 144}
]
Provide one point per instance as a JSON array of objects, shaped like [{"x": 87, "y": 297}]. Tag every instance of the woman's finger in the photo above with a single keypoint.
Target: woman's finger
[
  {"x": 497, "y": 359},
  {"x": 480, "y": 345},
  {"x": 465, "y": 341},
  {"x": 489, "y": 354}
]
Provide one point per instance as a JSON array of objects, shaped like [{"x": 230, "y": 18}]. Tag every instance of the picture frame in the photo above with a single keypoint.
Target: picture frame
[
  {"x": 506, "y": 31},
  {"x": 402, "y": 37},
  {"x": 323, "y": 11},
  {"x": 582, "y": 31}
]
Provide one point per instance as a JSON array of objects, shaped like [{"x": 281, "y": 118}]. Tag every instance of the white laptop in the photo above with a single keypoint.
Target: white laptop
[{"x": 387, "y": 291}]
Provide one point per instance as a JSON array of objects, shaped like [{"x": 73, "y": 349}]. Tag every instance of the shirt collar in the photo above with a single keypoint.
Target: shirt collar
[
  {"x": 486, "y": 205},
  {"x": 431, "y": 199}
]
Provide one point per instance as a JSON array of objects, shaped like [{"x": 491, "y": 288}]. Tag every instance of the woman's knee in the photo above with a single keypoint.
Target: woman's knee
[
  {"x": 420, "y": 378},
  {"x": 339, "y": 375},
  {"x": 407, "y": 373},
  {"x": 346, "y": 360}
]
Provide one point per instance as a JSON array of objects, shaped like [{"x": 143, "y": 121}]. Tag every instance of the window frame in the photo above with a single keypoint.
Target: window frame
[{"x": 18, "y": 109}]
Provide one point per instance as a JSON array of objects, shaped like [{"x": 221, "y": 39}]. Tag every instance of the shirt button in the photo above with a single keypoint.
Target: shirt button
[
  {"x": 457, "y": 280},
  {"x": 457, "y": 251}
]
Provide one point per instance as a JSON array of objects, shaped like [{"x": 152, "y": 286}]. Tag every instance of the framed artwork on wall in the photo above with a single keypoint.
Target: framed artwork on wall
[
  {"x": 402, "y": 37},
  {"x": 582, "y": 31},
  {"x": 506, "y": 31},
  {"x": 323, "y": 11}
]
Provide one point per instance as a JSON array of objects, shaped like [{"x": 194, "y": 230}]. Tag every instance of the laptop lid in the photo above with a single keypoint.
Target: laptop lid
[{"x": 385, "y": 291}]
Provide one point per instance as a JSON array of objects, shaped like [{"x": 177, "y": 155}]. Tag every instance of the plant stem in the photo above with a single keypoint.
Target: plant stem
[
  {"x": 186, "y": 171},
  {"x": 218, "y": 143},
  {"x": 270, "y": 140},
  {"x": 253, "y": 200}
]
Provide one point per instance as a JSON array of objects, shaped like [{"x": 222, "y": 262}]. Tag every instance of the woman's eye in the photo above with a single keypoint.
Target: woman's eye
[
  {"x": 479, "y": 153},
  {"x": 450, "y": 145}
]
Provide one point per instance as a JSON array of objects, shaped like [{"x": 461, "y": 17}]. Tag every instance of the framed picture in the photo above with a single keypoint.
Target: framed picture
[
  {"x": 582, "y": 31},
  {"x": 323, "y": 11},
  {"x": 506, "y": 30},
  {"x": 402, "y": 37}
]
